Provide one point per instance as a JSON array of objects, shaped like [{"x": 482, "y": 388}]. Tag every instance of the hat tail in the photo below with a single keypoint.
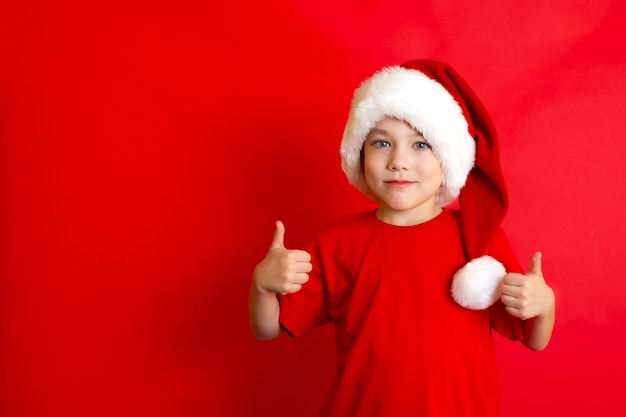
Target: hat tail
[{"x": 483, "y": 201}]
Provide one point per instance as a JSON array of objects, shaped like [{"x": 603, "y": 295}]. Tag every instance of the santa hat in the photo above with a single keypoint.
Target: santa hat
[{"x": 433, "y": 98}]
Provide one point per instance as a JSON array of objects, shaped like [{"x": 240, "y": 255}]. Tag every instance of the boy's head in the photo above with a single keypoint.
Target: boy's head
[
  {"x": 435, "y": 100},
  {"x": 412, "y": 96}
]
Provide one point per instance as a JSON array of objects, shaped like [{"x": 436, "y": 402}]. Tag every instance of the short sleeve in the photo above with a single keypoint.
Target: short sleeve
[
  {"x": 502, "y": 322},
  {"x": 306, "y": 308}
]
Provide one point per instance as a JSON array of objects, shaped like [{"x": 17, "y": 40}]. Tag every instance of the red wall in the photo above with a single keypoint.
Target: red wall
[{"x": 147, "y": 148}]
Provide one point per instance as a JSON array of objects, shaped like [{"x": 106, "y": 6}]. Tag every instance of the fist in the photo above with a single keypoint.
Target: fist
[
  {"x": 282, "y": 270},
  {"x": 527, "y": 296}
]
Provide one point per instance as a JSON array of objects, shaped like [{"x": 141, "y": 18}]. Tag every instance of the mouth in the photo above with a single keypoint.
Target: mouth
[{"x": 399, "y": 183}]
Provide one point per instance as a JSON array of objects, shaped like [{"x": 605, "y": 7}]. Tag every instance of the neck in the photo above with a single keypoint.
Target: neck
[{"x": 407, "y": 217}]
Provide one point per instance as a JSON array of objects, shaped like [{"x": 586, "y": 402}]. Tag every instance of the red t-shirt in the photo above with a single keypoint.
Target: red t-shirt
[{"x": 404, "y": 347}]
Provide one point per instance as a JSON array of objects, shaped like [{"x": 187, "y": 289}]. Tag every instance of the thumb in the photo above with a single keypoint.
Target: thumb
[
  {"x": 278, "y": 241},
  {"x": 535, "y": 266}
]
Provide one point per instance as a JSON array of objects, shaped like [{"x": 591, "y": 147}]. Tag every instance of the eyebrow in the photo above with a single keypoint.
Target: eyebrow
[{"x": 376, "y": 130}]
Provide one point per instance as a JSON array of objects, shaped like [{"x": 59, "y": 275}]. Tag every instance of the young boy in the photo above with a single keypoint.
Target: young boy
[{"x": 413, "y": 288}]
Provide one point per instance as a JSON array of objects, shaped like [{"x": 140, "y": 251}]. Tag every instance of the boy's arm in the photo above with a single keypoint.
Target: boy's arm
[
  {"x": 281, "y": 271},
  {"x": 529, "y": 298},
  {"x": 538, "y": 330},
  {"x": 264, "y": 313}
]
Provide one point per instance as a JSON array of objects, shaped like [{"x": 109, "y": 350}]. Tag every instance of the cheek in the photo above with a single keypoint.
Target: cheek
[
  {"x": 430, "y": 167},
  {"x": 368, "y": 173},
  {"x": 368, "y": 165}
]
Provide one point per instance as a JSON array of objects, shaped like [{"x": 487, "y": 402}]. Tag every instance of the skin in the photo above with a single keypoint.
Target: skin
[
  {"x": 403, "y": 173},
  {"x": 528, "y": 297},
  {"x": 282, "y": 271}
]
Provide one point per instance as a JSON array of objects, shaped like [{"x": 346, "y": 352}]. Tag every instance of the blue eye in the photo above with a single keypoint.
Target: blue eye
[
  {"x": 422, "y": 145},
  {"x": 381, "y": 143}
]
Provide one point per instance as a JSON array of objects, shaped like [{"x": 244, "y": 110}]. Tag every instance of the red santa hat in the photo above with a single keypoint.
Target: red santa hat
[{"x": 433, "y": 98}]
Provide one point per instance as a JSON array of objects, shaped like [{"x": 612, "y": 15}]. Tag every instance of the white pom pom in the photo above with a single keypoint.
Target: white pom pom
[{"x": 476, "y": 286}]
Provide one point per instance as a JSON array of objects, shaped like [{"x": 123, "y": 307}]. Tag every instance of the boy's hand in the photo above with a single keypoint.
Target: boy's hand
[
  {"x": 527, "y": 296},
  {"x": 282, "y": 270}
]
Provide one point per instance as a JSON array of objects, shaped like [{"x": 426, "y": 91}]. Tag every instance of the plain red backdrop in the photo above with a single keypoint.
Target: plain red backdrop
[{"x": 147, "y": 148}]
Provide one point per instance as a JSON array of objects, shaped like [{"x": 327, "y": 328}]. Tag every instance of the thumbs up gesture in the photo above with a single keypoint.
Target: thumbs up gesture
[
  {"x": 527, "y": 296},
  {"x": 282, "y": 270}
]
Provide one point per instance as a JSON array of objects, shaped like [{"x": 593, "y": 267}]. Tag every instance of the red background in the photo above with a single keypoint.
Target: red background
[{"x": 147, "y": 148}]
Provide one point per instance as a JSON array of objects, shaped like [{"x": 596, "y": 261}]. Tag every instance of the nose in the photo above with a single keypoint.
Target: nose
[{"x": 398, "y": 161}]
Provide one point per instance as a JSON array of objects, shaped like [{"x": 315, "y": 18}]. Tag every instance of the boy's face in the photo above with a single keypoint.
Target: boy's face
[{"x": 402, "y": 172}]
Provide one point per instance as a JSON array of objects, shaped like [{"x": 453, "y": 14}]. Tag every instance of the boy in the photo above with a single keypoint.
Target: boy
[{"x": 413, "y": 317}]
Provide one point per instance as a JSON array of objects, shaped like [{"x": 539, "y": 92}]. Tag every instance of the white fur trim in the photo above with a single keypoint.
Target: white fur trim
[
  {"x": 409, "y": 95},
  {"x": 476, "y": 286}
]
